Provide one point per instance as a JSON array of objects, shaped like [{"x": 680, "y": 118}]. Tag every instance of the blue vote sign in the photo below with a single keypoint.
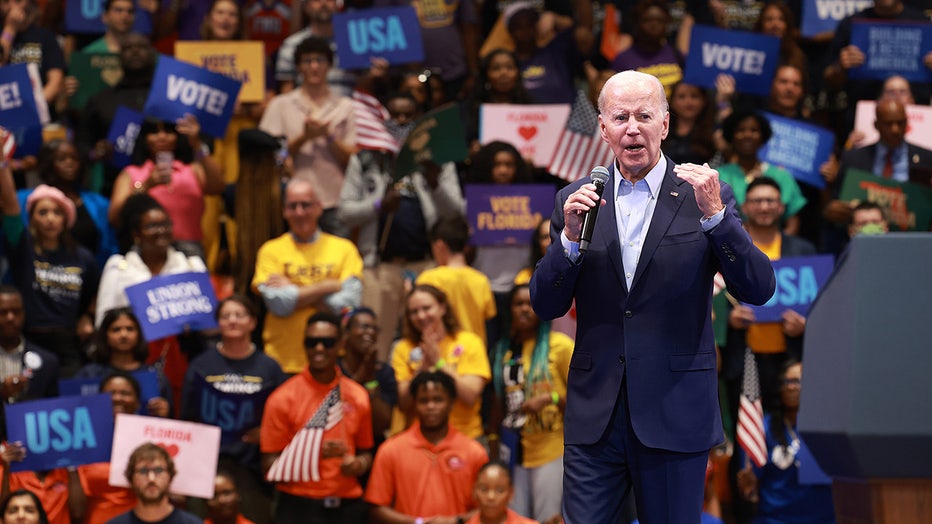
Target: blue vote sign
[
  {"x": 233, "y": 407},
  {"x": 392, "y": 33},
  {"x": 83, "y": 16},
  {"x": 17, "y": 100},
  {"x": 123, "y": 132},
  {"x": 169, "y": 305},
  {"x": 751, "y": 58},
  {"x": 822, "y": 16},
  {"x": 179, "y": 88},
  {"x": 892, "y": 48},
  {"x": 61, "y": 432},
  {"x": 798, "y": 147},
  {"x": 799, "y": 280}
]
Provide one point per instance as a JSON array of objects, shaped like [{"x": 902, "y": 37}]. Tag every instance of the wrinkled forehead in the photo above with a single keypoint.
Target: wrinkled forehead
[{"x": 632, "y": 95}]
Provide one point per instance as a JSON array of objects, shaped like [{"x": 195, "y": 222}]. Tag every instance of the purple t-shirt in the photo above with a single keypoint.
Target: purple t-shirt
[
  {"x": 548, "y": 75},
  {"x": 666, "y": 64}
]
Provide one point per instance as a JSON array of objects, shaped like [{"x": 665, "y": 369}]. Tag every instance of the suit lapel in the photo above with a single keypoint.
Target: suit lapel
[
  {"x": 606, "y": 227},
  {"x": 671, "y": 197}
]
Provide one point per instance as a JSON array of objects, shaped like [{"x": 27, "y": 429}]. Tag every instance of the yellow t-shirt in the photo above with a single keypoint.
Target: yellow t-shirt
[
  {"x": 469, "y": 292},
  {"x": 465, "y": 351},
  {"x": 767, "y": 337},
  {"x": 304, "y": 264}
]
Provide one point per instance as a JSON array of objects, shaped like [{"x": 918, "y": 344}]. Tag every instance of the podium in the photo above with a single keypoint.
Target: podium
[{"x": 866, "y": 405}]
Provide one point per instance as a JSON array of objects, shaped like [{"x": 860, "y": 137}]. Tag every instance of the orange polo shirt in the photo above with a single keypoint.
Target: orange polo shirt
[{"x": 52, "y": 491}]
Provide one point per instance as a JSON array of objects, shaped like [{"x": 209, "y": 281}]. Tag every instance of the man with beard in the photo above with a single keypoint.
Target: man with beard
[
  {"x": 427, "y": 471},
  {"x": 394, "y": 217},
  {"x": 150, "y": 471}
]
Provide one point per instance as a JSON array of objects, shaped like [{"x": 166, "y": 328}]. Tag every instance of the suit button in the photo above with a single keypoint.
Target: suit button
[
  {"x": 628, "y": 314},
  {"x": 621, "y": 359}
]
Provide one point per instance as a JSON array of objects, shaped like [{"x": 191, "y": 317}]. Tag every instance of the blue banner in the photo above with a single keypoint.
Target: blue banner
[
  {"x": 506, "y": 214},
  {"x": 17, "y": 102},
  {"x": 892, "y": 48},
  {"x": 798, "y": 147},
  {"x": 61, "y": 432},
  {"x": 171, "y": 304},
  {"x": 179, "y": 88},
  {"x": 123, "y": 132},
  {"x": 822, "y": 16},
  {"x": 148, "y": 383},
  {"x": 799, "y": 280},
  {"x": 751, "y": 58},
  {"x": 392, "y": 33},
  {"x": 83, "y": 16},
  {"x": 234, "y": 407}
]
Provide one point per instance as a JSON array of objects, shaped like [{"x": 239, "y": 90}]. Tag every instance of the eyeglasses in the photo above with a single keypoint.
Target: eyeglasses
[
  {"x": 759, "y": 201},
  {"x": 792, "y": 382},
  {"x": 144, "y": 472},
  {"x": 328, "y": 342},
  {"x": 304, "y": 206}
]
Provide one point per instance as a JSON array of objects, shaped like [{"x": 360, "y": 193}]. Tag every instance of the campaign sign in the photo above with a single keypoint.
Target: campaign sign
[
  {"x": 392, "y": 33},
  {"x": 751, "y": 58},
  {"x": 822, "y": 16},
  {"x": 506, "y": 214},
  {"x": 798, "y": 282},
  {"x": 61, "y": 432},
  {"x": 83, "y": 16},
  {"x": 18, "y": 108},
  {"x": 193, "y": 448},
  {"x": 148, "y": 383},
  {"x": 95, "y": 72},
  {"x": 534, "y": 129},
  {"x": 123, "y": 132},
  {"x": 233, "y": 407},
  {"x": 169, "y": 305},
  {"x": 436, "y": 137},
  {"x": 798, "y": 147},
  {"x": 241, "y": 61},
  {"x": 907, "y": 206},
  {"x": 892, "y": 48},
  {"x": 918, "y": 127},
  {"x": 179, "y": 87}
]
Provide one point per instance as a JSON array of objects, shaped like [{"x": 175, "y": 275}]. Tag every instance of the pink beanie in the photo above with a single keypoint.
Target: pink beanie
[{"x": 65, "y": 203}]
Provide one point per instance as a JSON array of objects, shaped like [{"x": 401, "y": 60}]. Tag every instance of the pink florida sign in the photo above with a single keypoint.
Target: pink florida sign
[
  {"x": 533, "y": 129},
  {"x": 193, "y": 447}
]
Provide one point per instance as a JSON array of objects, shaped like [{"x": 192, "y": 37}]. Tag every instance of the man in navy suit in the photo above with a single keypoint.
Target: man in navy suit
[{"x": 642, "y": 405}]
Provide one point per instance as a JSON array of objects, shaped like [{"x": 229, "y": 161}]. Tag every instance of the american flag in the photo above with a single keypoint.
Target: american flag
[
  {"x": 370, "y": 117},
  {"x": 300, "y": 460},
  {"x": 750, "y": 414},
  {"x": 580, "y": 146}
]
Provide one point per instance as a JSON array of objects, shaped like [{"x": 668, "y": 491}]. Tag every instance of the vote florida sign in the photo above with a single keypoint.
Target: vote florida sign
[
  {"x": 193, "y": 448},
  {"x": 798, "y": 147},
  {"x": 798, "y": 282},
  {"x": 534, "y": 129},
  {"x": 179, "y": 87},
  {"x": 62, "y": 431},
  {"x": 907, "y": 206},
  {"x": 392, "y": 33},
  {"x": 124, "y": 129},
  {"x": 168, "y": 305},
  {"x": 84, "y": 16},
  {"x": 751, "y": 58},
  {"x": 505, "y": 214},
  {"x": 234, "y": 407},
  {"x": 892, "y": 48},
  {"x": 241, "y": 61},
  {"x": 822, "y": 16}
]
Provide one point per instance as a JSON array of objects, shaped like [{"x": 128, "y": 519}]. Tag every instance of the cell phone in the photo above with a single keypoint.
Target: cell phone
[{"x": 164, "y": 159}]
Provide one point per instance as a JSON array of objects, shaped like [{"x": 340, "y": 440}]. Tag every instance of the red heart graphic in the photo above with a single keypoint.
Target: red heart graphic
[
  {"x": 172, "y": 449},
  {"x": 527, "y": 132}
]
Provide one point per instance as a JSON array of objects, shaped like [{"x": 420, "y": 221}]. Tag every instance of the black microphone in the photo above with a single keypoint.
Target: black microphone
[{"x": 599, "y": 177}]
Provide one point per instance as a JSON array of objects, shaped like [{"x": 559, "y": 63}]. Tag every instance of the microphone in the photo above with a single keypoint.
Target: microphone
[{"x": 599, "y": 177}]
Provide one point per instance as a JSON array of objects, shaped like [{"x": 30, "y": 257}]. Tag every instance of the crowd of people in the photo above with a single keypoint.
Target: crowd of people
[{"x": 351, "y": 297}]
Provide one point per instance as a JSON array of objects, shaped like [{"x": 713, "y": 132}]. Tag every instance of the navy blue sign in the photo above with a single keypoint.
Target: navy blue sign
[
  {"x": 179, "y": 88},
  {"x": 169, "y": 305},
  {"x": 822, "y": 16},
  {"x": 148, "y": 383},
  {"x": 751, "y": 58},
  {"x": 83, "y": 16},
  {"x": 798, "y": 147},
  {"x": 506, "y": 214},
  {"x": 892, "y": 48},
  {"x": 123, "y": 132},
  {"x": 798, "y": 282},
  {"x": 17, "y": 102},
  {"x": 61, "y": 432},
  {"x": 392, "y": 33},
  {"x": 233, "y": 407}
]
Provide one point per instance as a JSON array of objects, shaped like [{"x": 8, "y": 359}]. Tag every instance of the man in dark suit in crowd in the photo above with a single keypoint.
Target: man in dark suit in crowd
[
  {"x": 27, "y": 372},
  {"x": 642, "y": 405}
]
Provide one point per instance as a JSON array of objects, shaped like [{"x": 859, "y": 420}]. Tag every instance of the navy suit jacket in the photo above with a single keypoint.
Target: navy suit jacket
[
  {"x": 863, "y": 158},
  {"x": 657, "y": 335}
]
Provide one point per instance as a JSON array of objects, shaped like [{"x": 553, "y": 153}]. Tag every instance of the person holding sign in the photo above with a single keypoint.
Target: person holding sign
[{"x": 24, "y": 41}]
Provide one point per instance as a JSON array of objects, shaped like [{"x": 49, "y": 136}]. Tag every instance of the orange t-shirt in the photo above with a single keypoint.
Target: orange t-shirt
[
  {"x": 52, "y": 491},
  {"x": 421, "y": 479},
  {"x": 293, "y": 404},
  {"x": 103, "y": 500},
  {"x": 510, "y": 518}
]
